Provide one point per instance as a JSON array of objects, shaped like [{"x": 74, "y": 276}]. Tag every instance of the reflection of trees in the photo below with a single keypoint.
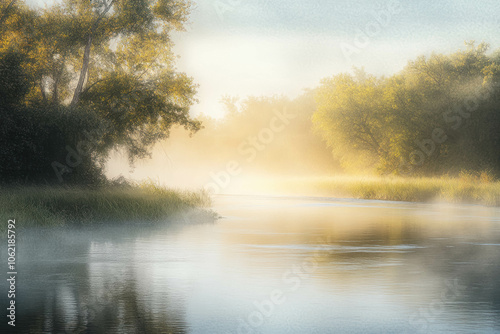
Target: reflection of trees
[
  {"x": 123, "y": 311},
  {"x": 467, "y": 252},
  {"x": 120, "y": 310},
  {"x": 474, "y": 264},
  {"x": 63, "y": 292}
]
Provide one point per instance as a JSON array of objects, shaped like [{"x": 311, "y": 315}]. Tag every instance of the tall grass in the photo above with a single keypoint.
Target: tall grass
[
  {"x": 467, "y": 188},
  {"x": 57, "y": 206}
]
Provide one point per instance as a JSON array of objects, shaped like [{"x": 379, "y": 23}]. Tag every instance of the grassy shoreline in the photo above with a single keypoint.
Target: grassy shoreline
[
  {"x": 60, "y": 206},
  {"x": 465, "y": 189},
  {"x": 149, "y": 203}
]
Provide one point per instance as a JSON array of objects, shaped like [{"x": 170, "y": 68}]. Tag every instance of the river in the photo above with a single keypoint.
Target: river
[{"x": 270, "y": 265}]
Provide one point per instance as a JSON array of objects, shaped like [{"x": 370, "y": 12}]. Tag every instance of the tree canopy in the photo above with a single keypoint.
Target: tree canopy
[
  {"x": 109, "y": 59},
  {"x": 440, "y": 113}
]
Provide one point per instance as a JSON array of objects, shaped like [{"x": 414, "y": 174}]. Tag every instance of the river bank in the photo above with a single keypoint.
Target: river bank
[
  {"x": 464, "y": 189},
  {"x": 59, "y": 206}
]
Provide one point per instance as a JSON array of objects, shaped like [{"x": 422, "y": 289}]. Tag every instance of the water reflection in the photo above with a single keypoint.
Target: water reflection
[
  {"x": 77, "y": 281},
  {"x": 271, "y": 265}
]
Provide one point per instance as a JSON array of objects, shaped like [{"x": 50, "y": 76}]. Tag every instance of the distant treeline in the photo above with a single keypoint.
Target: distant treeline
[{"x": 440, "y": 114}]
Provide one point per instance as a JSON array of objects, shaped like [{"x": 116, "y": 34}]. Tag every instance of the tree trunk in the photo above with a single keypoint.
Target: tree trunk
[
  {"x": 83, "y": 72},
  {"x": 42, "y": 91},
  {"x": 86, "y": 57},
  {"x": 55, "y": 94}
]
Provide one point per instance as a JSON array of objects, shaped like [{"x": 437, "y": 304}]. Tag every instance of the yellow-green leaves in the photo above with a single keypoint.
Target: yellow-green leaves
[
  {"x": 439, "y": 112},
  {"x": 111, "y": 57}
]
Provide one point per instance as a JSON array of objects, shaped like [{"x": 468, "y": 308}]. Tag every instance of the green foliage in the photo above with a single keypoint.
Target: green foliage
[
  {"x": 351, "y": 112},
  {"x": 14, "y": 79},
  {"x": 440, "y": 114},
  {"x": 34, "y": 138},
  {"x": 78, "y": 66}
]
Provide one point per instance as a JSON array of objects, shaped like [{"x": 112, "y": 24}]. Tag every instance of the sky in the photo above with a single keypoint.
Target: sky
[
  {"x": 273, "y": 47},
  {"x": 267, "y": 47}
]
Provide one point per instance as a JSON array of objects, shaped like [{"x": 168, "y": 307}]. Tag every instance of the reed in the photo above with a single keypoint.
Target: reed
[
  {"x": 142, "y": 202},
  {"x": 480, "y": 188}
]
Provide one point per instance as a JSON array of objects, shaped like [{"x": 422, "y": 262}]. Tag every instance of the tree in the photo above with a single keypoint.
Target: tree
[
  {"x": 350, "y": 117},
  {"x": 439, "y": 114},
  {"x": 111, "y": 59}
]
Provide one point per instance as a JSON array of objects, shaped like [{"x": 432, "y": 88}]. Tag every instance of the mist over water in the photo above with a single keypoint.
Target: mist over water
[{"x": 270, "y": 265}]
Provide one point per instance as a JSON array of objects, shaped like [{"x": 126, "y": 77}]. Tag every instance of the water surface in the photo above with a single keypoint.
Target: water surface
[{"x": 270, "y": 265}]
